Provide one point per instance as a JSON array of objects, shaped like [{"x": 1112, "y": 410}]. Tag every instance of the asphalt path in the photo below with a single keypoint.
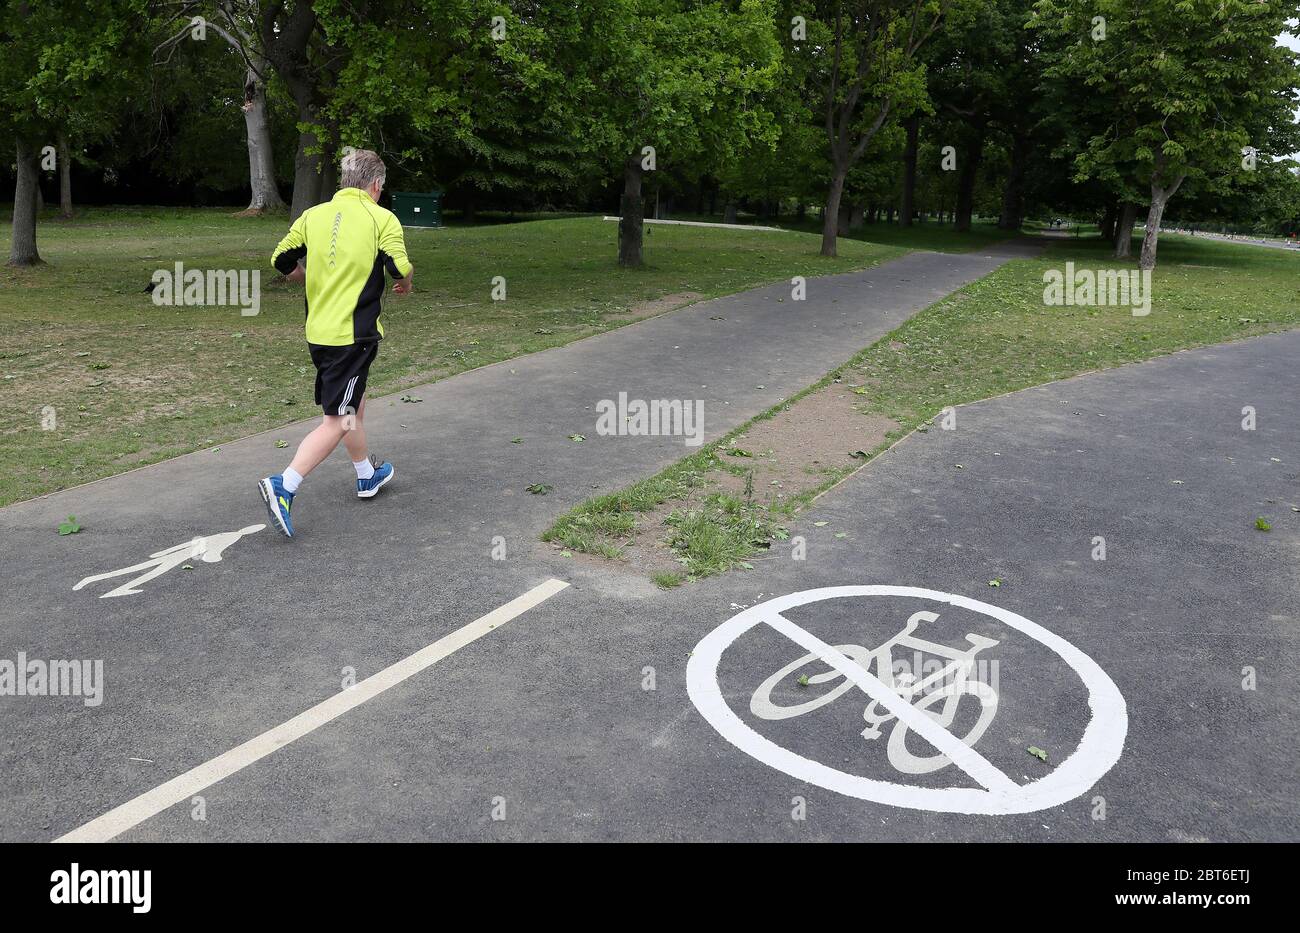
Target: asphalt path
[{"x": 569, "y": 715}]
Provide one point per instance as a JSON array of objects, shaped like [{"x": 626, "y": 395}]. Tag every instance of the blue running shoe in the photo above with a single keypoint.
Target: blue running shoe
[
  {"x": 366, "y": 488},
  {"x": 278, "y": 502}
]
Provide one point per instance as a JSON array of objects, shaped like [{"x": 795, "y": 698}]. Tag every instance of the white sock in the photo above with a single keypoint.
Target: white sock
[
  {"x": 292, "y": 480},
  {"x": 365, "y": 469}
]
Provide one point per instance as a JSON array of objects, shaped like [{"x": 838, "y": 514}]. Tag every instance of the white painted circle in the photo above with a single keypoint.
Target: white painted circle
[{"x": 1099, "y": 749}]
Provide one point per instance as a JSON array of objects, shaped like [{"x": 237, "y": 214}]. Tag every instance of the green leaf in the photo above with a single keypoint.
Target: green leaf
[
  {"x": 1263, "y": 524},
  {"x": 539, "y": 489},
  {"x": 281, "y": 444},
  {"x": 1038, "y": 753},
  {"x": 70, "y": 527}
]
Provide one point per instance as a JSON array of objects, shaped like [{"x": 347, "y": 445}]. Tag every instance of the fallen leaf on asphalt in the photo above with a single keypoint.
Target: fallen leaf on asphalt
[
  {"x": 539, "y": 489},
  {"x": 70, "y": 527},
  {"x": 1038, "y": 753},
  {"x": 281, "y": 444}
]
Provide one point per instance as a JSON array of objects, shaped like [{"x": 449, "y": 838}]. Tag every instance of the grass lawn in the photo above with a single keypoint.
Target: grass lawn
[
  {"x": 131, "y": 383},
  {"x": 930, "y": 235},
  {"x": 940, "y": 238},
  {"x": 994, "y": 336}
]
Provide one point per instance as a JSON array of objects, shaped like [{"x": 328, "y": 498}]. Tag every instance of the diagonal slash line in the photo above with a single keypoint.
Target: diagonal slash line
[
  {"x": 136, "y": 811},
  {"x": 957, "y": 751}
]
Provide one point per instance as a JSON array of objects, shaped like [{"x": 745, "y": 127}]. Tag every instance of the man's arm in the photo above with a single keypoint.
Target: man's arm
[
  {"x": 392, "y": 250},
  {"x": 292, "y": 250}
]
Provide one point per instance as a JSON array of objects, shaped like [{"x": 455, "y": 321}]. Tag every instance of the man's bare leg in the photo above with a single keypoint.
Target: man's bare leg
[
  {"x": 318, "y": 445},
  {"x": 355, "y": 439}
]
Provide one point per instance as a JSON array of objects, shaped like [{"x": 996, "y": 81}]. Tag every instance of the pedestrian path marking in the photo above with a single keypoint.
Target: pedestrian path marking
[
  {"x": 133, "y": 812},
  {"x": 1098, "y": 750},
  {"x": 207, "y": 548}
]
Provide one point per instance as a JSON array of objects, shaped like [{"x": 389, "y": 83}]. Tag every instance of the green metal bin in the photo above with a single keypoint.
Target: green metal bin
[{"x": 418, "y": 208}]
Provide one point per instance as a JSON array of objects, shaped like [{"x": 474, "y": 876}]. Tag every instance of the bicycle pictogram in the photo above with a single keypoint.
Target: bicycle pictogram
[{"x": 943, "y": 686}]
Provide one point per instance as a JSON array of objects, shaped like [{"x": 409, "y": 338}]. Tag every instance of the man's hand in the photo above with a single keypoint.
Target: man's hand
[
  {"x": 299, "y": 274},
  {"x": 403, "y": 287}
]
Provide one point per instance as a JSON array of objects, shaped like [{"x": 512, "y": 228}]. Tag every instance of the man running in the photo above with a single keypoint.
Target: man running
[{"x": 353, "y": 242}]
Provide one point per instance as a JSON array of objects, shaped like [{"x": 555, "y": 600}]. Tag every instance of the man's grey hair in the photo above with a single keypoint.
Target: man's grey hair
[{"x": 361, "y": 167}]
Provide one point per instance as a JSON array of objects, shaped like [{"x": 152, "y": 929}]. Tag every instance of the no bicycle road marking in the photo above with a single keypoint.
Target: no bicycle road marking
[{"x": 1098, "y": 750}]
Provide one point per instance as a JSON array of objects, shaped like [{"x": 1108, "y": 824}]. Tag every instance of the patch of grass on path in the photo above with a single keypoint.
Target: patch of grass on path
[
  {"x": 991, "y": 337},
  {"x": 129, "y": 383}
]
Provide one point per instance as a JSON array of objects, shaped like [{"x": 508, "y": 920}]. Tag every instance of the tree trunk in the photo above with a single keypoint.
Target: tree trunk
[
  {"x": 1108, "y": 223},
  {"x": 65, "y": 178},
  {"x": 329, "y": 172},
  {"x": 1013, "y": 191},
  {"x": 22, "y": 249},
  {"x": 830, "y": 219},
  {"x": 1124, "y": 230},
  {"x": 909, "y": 171},
  {"x": 306, "y": 172},
  {"x": 630, "y": 226},
  {"x": 286, "y": 35},
  {"x": 966, "y": 183},
  {"x": 1159, "y": 199},
  {"x": 261, "y": 156}
]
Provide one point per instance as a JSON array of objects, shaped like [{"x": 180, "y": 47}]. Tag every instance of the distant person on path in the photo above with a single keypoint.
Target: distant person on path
[{"x": 352, "y": 242}]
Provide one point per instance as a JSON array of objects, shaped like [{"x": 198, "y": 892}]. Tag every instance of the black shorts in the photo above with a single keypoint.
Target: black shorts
[{"x": 341, "y": 374}]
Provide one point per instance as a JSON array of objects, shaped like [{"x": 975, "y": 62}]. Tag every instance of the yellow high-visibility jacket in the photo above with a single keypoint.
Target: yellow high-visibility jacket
[{"x": 352, "y": 241}]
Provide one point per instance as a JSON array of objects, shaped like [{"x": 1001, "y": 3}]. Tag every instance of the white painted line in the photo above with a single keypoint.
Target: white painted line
[
  {"x": 151, "y": 803},
  {"x": 957, "y": 751}
]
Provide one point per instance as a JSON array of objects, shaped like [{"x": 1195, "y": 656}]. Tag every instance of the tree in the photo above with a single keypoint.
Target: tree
[
  {"x": 65, "y": 68},
  {"x": 237, "y": 22},
  {"x": 865, "y": 68},
  {"x": 1193, "y": 83},
  {"x": 671, "y": 79}
]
